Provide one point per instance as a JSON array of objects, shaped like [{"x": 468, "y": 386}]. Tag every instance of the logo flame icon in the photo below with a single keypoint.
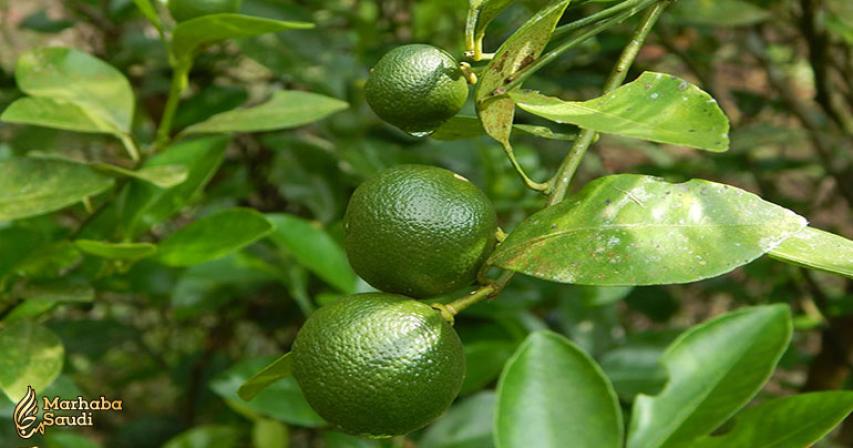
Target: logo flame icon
[{"x": 25, "y": 415}]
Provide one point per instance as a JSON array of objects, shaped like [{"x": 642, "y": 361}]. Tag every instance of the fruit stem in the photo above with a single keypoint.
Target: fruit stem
[
  {"x": 500, "y": 235},
  {"x": 468, "y": 72},
  {"x": 449, "y": 310},
  {"x": 560, "y": 182}
]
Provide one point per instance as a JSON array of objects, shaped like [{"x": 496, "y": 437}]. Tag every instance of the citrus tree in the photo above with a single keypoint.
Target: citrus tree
[{"x": 225, "y": 218}]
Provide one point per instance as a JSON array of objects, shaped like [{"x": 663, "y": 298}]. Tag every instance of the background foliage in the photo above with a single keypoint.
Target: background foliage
[{"x": 255, "y": 219}]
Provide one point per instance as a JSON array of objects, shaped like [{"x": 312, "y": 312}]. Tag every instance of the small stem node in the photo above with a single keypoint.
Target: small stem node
[{"x": 469, "y": 74}]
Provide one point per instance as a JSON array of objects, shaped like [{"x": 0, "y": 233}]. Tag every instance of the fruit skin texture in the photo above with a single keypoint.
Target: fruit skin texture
[
  {"x": 416, "y": 88},
  {"x": 183, "y": 10},
  {"x": 419, "y": 231},
  {"x": 377, "y": 364}
]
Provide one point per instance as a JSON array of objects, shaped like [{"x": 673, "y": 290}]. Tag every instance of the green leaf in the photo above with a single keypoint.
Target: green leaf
[
  {"x": 206, "y": 436},
  {"x": 286, "y": 109},
  {"x": 634, "y": 369},
  {"x": 461, "y": 127},
  {"x": 190, "y": 35},
  {"x": 162, "y": 176},
  {"x": 278, "y": 369},
  {"x": 551, "y": 392},
  {"x": 817, "y": 249},
  {"x": 718, "y": 12},
  {"x": 714, "y": 370},
  {"x": 656, "y": 107},
  {"x": 480, "y": 15},
  {"x": 61, "y": 290},
  {"x": 16, "y": 245},
  {"x": 52, "y": 114},
  {"x": 484, "y": 361},
  {"x": 65, "y": 439},
  {"x": 206, "y": 287},
  {"x": 147, "y": 205},
  {"x": 32, "y": 356},
  {"x": 214, "y": 236},
  {"x": 30, "y": 187},
  {"x": 281, "y": 400},
  {"x": 313, "y": 248},
  {"x": 116, "y": 251},
  {"x": 150, "y": 12},
  {"x": 100, "y": 91},
  {"x": 468, "y": 424},
  {"x": 520, "y": 50},
  {"x": 333, "y": 439},
  {"x": 799, "y": 420},
  {"x": 269, "y": 434},
  {"x": 639, "y": 230}
]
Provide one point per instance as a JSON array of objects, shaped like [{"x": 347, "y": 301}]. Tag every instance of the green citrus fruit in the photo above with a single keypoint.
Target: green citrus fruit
[
  {"x": 418, "y": 230},
  {"x": 378, "y": 364},
  {"x": 183, "y": 10},
  {"x": 416, "y": 88}
]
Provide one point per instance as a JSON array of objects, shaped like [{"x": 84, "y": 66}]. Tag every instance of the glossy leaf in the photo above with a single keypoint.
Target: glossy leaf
[
  {"x": 149, "y": 11},
  {"x": 148, "y": 205},
  {"x": 163, "y": 176},
  {"x": 468, "y": 424},
  {"x": 313, "y": 248},
  {"x": 282, "y": 400},
  {"x": 71, "y": 76},
  {"x": 656, "y": 107},
  {"x": 714, "y": 369},
  {"x": 214, "y": 236},
  {"x": 634, "y": 369},
  {"x": 286, "y": 109},
  {"x": 817, "y": 249},
  {"x": 484, "y": 361},
  {"x": 17, "y": 243},
  {"x": 67, "y": 439},
  {"x": 461, "y": 127},
  {"x": 639, "y": 230},
  {"x": 190, "y": 35},
  {"x": 61, "y": 290},
  {"x": 206, "y": 287},
  {"x": 32, "y": 356},
  {"x": 116, "y": 251},
  {"x": 480, "y": 15},
  {"x": 794, "y": 421},
  {"x": 551, "y": 392},
  {"x": 517, "y": 52},
  {"x": 30, "y": 186},
  {"x": 51, "y": 113},
  {"x": 719, "y": 12},
  {"x": 278, "y": 369},
  {"x": 206, "y": 436}
]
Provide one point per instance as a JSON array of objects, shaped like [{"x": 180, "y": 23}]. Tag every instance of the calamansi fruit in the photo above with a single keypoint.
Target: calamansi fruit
[
  {"x": 416, "y": 88},
  {"x": 183, "y": 10},
  {"x": 418, "y": 230},
  {"x": 378, "y": 365}
]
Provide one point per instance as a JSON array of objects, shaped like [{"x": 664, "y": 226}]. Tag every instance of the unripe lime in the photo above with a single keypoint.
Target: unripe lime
[
  {"x": 418, "y": 230},
  {"x": 416, "y": 88},
  {"x": 378, "y": 365},
  {"x": 183, "y": 10}
]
